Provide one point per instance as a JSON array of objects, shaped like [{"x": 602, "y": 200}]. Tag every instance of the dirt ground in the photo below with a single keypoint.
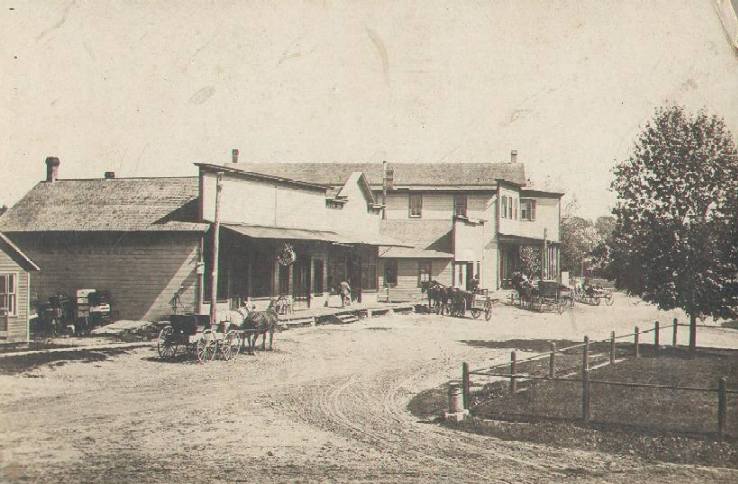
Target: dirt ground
[{"x": 329, "y": 404}]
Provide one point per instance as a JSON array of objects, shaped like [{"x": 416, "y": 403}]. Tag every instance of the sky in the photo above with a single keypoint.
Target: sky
[{"x": 147, "y": 88}]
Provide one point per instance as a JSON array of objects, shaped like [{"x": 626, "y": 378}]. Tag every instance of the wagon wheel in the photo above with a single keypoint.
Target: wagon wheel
[
  {"x": 476, "y": 313},
  {"x": 166, "y": 345},
  {"x": 235, "y": 343},
  {"x": 487, "y": 311},
  {"x": 561, "y": 306},
  {"x": 225, "y": 348},
  {"x": 206, "y": 346},
  {"x": 597, "y": 301},
  {"x": 609, "y": 299}
]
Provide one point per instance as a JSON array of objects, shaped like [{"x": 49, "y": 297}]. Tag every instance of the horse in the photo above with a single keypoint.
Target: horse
[
  {"x": 259, "y": 323},
  {"x": 437, "y": 297},
  {"x": 525, "y": 288}
]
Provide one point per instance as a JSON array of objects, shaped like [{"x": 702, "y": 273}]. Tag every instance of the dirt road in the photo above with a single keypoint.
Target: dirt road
[{"x": 330, "y": 404}]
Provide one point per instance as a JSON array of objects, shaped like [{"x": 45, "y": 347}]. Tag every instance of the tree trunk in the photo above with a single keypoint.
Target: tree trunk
[{"x": 692, "y": 335}]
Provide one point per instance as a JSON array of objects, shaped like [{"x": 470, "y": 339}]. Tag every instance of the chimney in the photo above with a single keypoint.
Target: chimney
[
  {"x": 514, "y": 156},
  {"x": 234, "y": 155},
  {"x": 109, "y": 175},
  {"x": 52, "y": 169}
]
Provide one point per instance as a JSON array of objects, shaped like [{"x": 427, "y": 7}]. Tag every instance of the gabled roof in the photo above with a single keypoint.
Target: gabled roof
[
  {"x": 405, "y": 174},
  {"x": 7, "y": 246},
  {"x": 359, "y": 178},
  {"x": 114, "y": 205},
  {"x": 244, "y": 171}
]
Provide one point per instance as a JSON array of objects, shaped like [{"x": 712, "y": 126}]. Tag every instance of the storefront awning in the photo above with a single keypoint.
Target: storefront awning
[
  {"x": 380, "y": 240},
  {"x": 262, "y": 232},
  {"x": 412, "y": 253}
]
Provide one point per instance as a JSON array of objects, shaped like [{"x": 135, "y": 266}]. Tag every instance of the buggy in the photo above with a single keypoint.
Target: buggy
[{"x": 193, "y": 334}]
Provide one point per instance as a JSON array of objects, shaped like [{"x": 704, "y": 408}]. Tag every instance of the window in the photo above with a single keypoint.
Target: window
[
  {"x": 416, "y": 204},
  {"x": 528, "y": 210},
  {"x": 318, "y": 266},
  {"x": 7, "y": 294},
  {"x": 509, "y": 207},
  {"x": 369, "y": 274},
  {"x": 425, "y": 268},
  {"x": 390, "y": 273},
  {"x": 460, "y": 205}
]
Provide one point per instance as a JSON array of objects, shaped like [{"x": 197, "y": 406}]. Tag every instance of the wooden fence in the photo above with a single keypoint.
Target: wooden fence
[{"x": 580, "y": 374}]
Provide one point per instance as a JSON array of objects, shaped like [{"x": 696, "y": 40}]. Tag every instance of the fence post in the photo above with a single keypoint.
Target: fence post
[
  {"x": 465, "y": 384},
  {"x": 656, "y": 337},
  {"x": 513, "y": 383},
  {"x": 674, "y": 335},
  {"x": 636, "y": 334},
  {"x": 722, "y": 404},
  {"x": 585, "y": 354},
  {"x": 612, "y": 347},
  {"x": 586, "y": 408},
  {"x": 552, "y": 362}
]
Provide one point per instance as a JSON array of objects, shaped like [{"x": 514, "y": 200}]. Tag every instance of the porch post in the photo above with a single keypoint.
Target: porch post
[
  {"x": 216, "y": 247},
  {"x": 544, "y": 256}
]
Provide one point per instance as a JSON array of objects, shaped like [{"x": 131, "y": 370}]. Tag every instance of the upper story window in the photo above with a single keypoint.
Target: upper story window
[
  {"x": 528, "y": 210},
  {"x": 416, "y": 205},
  {"x": 7, "y": 294},
  {"x": 460, "y": 203},
  {"x": 509, "y": 207}
]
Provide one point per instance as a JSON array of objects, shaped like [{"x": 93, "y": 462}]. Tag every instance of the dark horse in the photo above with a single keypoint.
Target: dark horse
[
  {"x": 525, "y": 288},
  {"x": 438, "y": 296},
  {"x": 259, "y": 323}
]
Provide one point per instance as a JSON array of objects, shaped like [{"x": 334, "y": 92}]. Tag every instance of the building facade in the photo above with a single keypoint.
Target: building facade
[{"x": 15, "y": 290}]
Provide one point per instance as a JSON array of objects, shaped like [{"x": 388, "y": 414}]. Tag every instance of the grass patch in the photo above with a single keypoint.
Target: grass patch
[{"x": 657, "y": 424}]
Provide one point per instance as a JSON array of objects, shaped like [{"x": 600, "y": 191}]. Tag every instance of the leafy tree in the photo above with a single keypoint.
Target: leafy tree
[
  {"x": 578, "y": 238},
  {"x": 530, "y": 260},
  {"x": 674, "y": 242}
]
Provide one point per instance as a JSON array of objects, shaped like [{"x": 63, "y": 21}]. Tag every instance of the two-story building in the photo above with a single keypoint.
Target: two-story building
[{"x": 460, "y": 220}]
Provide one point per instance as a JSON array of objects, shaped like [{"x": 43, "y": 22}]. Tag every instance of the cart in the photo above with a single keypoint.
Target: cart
[
  {"x": 481, "y": 303},
  {"x": 188, "y": 333},
  {"x": 594, "y": 296},
  {"x": 549, "y": 297}
]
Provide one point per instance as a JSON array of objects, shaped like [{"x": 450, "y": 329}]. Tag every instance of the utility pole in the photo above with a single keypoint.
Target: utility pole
[{"x": 216, "y": 247}]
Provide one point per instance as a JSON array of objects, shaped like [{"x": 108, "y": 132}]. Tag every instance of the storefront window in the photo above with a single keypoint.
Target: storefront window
[{"x": 424, "y": 272}]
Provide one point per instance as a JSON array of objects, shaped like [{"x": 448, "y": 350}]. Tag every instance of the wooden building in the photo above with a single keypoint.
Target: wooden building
[
  {"x": 136, "y": 237},
  {"x": 15, "y": 290}
]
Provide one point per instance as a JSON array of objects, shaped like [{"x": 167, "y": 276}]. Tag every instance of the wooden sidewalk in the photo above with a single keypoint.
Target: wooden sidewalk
[{"x": 342, "y": 315}]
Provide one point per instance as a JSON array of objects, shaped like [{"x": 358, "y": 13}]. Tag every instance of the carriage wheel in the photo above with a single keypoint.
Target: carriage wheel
[
  {"x": 487, "y": 311},
  {"x": 597, "y": 301},
  {"x": 166, "y": 345},
  {"x": 561, "y": 305},
  {"x": 476, "y": 313},
  {"x": 609, "y": 300},
  {"x": 235, "y": 343},
  {"x": 206, "y": 346},
  {"x": 225, "y": 348}
]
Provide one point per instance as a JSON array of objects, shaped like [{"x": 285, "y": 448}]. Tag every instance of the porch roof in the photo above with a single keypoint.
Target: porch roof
[
  {"x": 517, "y": 239},
  {"x": 412, "y": 253},
  {"x": 263, "y": 232}
]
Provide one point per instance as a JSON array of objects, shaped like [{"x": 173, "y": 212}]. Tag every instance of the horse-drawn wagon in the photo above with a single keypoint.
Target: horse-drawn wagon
[
  {"x": 455, "y": 302},
  {"x": 543, "y": 296},
  {"x": 594, "y": 296},
  {"x": 191, "y": 333}
]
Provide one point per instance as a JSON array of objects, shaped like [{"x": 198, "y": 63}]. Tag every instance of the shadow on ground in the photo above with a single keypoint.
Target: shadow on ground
[{"x": 13, "y": 365}]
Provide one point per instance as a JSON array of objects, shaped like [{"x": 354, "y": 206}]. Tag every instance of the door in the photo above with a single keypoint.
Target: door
[{"x": 301, "y": 279}]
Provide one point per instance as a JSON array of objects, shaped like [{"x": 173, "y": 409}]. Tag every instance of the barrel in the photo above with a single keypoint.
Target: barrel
[{"x": 455, "y": 400}]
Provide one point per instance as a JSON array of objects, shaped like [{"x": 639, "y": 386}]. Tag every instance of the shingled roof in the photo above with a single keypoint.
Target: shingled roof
[
  {"x": 405, "y": 174},
  {"x": 118, "y": 204}
]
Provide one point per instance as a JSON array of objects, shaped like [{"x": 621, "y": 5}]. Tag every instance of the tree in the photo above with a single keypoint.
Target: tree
[
  {"x": 530, "y": 260},
  {"x": 578, "y": 238},
  {"x": 674, "y": 242}
]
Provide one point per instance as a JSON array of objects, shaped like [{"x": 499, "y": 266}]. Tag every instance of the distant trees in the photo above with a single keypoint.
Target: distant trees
[{"x": 675, "y": 241}]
